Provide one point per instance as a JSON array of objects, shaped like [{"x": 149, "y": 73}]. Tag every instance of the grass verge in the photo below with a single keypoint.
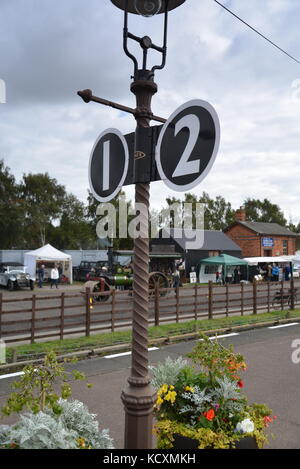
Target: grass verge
[{"x": 31, "y": 351}]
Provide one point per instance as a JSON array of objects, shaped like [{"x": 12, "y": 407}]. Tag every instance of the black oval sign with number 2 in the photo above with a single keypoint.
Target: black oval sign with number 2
[{"x": 187, "y": 145}]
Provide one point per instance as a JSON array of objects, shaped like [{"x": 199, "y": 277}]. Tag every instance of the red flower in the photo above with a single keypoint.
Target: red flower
[
  {"x": 209, "y": 415},
  {"x": 240, "y": 383}
]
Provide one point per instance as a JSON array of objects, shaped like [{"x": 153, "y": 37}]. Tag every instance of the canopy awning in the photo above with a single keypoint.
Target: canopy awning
[
  {"x": 47, "y": 253},
  {"x": 224, "y": 259},
  {"x": 269, "y": 260}
]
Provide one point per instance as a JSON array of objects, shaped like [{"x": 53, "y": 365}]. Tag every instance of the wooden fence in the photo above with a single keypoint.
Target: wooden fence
[{"x": 34, "y": 318}]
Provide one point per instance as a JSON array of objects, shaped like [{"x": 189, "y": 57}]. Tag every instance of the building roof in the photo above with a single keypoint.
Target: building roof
[
  {"x": 265, "y": 228},
  {"x": 204, "y": 240}
]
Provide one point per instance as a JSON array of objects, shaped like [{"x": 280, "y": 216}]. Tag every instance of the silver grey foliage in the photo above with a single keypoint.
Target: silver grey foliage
[
  {"x": 167, "y": 372},
  {"x": 46, "y": 430}
]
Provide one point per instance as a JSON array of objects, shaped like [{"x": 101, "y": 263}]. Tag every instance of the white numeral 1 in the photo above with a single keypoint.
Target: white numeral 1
[{"x": 106, "y": 152}]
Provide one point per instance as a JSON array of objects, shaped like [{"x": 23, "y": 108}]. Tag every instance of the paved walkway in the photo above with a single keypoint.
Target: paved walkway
[{"x": 271, "y": 378}]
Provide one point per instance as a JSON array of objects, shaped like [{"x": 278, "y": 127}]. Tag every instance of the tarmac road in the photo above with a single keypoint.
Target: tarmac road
[{"x": 271, "y": 378}]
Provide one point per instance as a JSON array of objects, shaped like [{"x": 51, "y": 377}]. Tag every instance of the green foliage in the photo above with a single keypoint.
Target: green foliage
[
  {"x": 264, "y": 211},
  {"x": 166, "y": 429},
  {"x": 11, "y": 209},
  {"x": 35, "y": 389},
  {"x": 215, "y": 359}
]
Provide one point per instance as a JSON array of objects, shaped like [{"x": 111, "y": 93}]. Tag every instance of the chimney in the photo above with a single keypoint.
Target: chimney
[{"x": 240, "y": 214}]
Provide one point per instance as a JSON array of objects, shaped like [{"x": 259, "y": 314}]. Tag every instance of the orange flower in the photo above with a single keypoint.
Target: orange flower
[{"x": 209, "y": 415}]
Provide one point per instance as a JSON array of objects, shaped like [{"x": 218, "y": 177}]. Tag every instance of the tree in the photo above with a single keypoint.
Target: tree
[
  {"x": 43, "y": 203},
  {"x": 217, "y": 212},
  {"x": 118, "y": 242},
  {"x": 74, "y": 231},
  {"x": 264, "y": 211},
  {"x": 11, "y": 209}
]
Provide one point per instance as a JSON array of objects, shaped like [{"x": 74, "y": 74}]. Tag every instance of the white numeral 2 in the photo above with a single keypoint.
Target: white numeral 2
[{"x": 184, "y": 166}]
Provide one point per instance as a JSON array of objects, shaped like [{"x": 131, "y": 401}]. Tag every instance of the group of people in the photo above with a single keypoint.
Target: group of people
[
  {"x": 272, "y": 272},
  {"x": 222, "y": 279},
  {"x": 55, "y": 275}
]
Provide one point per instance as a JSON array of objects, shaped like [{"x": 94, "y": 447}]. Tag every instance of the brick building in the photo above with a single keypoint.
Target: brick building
[{"x": 258, "y": 239}]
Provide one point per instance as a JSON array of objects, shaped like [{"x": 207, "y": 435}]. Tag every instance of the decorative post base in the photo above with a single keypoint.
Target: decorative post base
[{"x": 138, "y": 402}]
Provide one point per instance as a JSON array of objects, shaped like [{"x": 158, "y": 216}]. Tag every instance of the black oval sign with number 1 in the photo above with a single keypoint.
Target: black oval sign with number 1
[
  {"x": 187, "y": 145},
  {"x": 108, "y": 165}
]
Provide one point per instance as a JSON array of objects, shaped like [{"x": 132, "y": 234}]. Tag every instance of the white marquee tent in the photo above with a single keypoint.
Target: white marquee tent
[
  {"x": 48, "y": 255},
  {"x": 268, "y": 260}
]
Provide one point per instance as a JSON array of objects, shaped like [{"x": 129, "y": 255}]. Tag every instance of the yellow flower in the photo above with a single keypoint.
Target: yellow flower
[
  {"x": 159, "y": 401},
  {"x": 171, "y": 396},
  {"x": 81, "y": 442},
  {"x": 189, "y": 388}
]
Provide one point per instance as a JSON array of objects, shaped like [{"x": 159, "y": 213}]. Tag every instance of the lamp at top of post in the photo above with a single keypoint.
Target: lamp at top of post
[{"x": 146, "y": 8}]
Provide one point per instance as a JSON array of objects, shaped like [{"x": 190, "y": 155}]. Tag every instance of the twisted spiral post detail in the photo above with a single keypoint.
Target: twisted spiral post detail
[{"x": 141, "y": 288}]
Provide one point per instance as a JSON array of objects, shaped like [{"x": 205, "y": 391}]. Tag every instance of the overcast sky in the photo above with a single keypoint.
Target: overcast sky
[{"x": 50, "y": 49}]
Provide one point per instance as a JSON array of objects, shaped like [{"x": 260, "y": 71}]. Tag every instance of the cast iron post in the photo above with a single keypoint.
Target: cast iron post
[{"x": 138, "y": 395}]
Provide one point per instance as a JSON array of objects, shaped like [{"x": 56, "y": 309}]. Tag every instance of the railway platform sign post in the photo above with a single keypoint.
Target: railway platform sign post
[{"x": 186, "y": 146}]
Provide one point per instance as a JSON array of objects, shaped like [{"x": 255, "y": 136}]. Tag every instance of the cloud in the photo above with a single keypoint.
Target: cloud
[{"x": 51, "y": 49}]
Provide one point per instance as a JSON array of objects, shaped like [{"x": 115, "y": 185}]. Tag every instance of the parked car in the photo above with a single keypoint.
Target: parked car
[{"x": 14, "y": 276}]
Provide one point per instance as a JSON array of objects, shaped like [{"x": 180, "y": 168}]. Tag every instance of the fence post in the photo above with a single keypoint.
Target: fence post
[
  {"x": 88, "y": 312},
  {"x": 177, "y": 304},
  {"x": 242, "y": 298},
  {"x": 254, "y": 296},
  {"x": 1, "y": 311},
  {"x": 210, "y": 300},
  {"x": 196, "y": 299},
  {"x": 62, "y": 315},
  {"x": 281, "y": 294},
  {"x": 268, "y": 283},
  {"x": 292, "y": 295},
  {"x": 227, "y": 299},
  {"x": 33, "y": 318},
  {"x": 156, "y": 303},
  {"x": 113, "y": 310}
]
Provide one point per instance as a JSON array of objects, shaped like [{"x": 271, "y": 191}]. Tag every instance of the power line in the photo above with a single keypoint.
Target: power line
[{"x": 255, "y": 30}]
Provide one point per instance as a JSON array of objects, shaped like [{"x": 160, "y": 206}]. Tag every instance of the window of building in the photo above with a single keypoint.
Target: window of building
[
  {"x": 285, "y": 249},
  {"x": 211, "y": 269},
  {"x": 213, "y": 253}
]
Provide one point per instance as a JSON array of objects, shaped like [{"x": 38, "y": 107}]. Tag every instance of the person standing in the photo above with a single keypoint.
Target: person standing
[
  {"x": 269, "y": 272},
  {"x": 287, "y": 272},
  {"x": 60, "y": 272},
  {"x": 54, "y": 276},
  {"x": 176, "y": 278},
  {"x": 275, "y": 273},
  {"x": 41, "y": 275}
]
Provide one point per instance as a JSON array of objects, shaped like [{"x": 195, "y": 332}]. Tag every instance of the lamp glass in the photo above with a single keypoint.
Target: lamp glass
[{"x": 147, "y": 7}]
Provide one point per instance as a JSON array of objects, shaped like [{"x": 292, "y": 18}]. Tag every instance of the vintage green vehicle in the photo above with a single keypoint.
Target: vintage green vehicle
[{"x": 13, "y": 276}]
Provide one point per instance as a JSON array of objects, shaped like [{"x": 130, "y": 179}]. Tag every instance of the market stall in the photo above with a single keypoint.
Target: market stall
[
  {"x": 48, "y": 256},
  {"x": 224, "y": 264}
]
